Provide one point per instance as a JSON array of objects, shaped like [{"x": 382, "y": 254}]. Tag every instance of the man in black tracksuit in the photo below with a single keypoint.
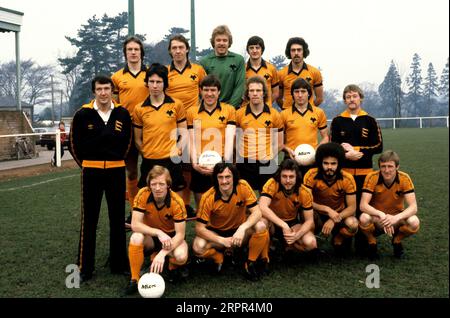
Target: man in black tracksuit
[
  {"x": 100, "y": 138},
  {"x": 361, "y": 138}
]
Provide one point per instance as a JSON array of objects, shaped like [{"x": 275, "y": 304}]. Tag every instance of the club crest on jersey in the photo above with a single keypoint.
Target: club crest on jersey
[
  {"x": 168, "y": 216},
  {"x": 240, "y": 203},
  {"x": 313, "y": 119},
  {"x": 267, "y": 122},
  {"x": 170, "y": 113},
  {"x": 233, "y": 67},
  {"x": 266, "y": 76},
  {"x": 193, "y": 77},
  {"x": 222, "y": 118}
]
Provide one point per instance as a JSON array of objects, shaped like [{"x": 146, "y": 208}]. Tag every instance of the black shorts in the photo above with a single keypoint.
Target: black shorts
[
  {"x": 254, "y": 173},
  {"x": 226, "y": 233},
  {"x": 175, "y": 169},
  {"x": 319, "y": 221},
  {"x": 279, "y": 232},
  {"x": 157, "y": 243},
  {"x": 199, "y": 182}
]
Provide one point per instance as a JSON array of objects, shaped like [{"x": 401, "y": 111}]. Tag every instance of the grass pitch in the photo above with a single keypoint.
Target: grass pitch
[{"x": 40, "y": 223}]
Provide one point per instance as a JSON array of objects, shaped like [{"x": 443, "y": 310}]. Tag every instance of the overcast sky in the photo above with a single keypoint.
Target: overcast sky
[{"x": 352, "y": 41}]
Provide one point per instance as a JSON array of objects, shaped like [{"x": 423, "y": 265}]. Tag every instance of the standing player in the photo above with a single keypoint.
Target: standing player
[
  {"x": 184, "y": 76},
  {"x": 297, "y": 50},
  {"x": 223, "y": 221},
  {"x": 257, "y": 66},
  {"x": 287, "y": 208},
  {"x": 130, "y": 90},
  {"x": 382, "y": 202},
  {"x": 260, "y": 135},
  {"x": 212, "y": 126},
  {"x": 184, "y": 80},
  {"x": 229, "y": 67},
  {"x": 100, "y": 137},
  {"x": 334, "y": 196},
  {"x": 158, "y": 123},
  {"x": 303, "y": 121},
  {"x": 361, "y": 138},
  {"x": 159, "y": 224}
]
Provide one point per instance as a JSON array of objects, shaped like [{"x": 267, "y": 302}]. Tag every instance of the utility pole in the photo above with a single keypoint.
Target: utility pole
[
  {"x": 131, "y": 18},
  {"x": 193, "y": 45},
  {"x": 60, "y": 105},
  {"x": 53, "y": 101}
]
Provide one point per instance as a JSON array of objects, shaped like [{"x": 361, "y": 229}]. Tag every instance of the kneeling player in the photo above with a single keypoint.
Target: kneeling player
[
  {"x": 334, "y": 196},
  {"x": 159, "y": 225},
  {"x": 223, "y": 223},
  {"x": 284, "y": 202},
  {"x": 382, "y": 203}
]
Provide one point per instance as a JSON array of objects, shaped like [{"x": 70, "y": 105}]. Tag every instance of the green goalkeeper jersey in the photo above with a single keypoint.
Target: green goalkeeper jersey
[{"x": 230, "y": 69}]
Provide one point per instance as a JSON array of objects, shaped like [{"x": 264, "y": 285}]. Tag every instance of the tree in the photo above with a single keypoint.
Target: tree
[
  {"x": 443, "y": 84},
  {"x": 279, "y": 61},
  {"x": 390, "y": 91},
  {"x": 203, "y": 53},
  {"x": 116, "y": 31},
  {"x": 332, "y": 105},
  {"x": 99, "y": 51},
  {"x": 430, "y": 85},
  {"x": 46, "y": 114},
  {"x": 415, "y": 91},
  {"x": 372, "y": 102},
  {"x": 414, "y": 79},
  {"x": 35, "y": 81}
]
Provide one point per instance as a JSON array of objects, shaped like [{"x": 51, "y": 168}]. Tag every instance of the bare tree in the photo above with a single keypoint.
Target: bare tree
[{"x": 35, "y": 81}]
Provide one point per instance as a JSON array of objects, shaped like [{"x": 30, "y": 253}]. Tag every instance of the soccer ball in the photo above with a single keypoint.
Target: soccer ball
[
  {"x": 305, "y": 155},
  {"x": 209, "y": 158},
  {"x": 151, "y": 285}
]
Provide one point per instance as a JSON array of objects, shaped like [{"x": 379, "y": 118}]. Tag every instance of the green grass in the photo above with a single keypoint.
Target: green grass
[{"x": 40, "y": 227}]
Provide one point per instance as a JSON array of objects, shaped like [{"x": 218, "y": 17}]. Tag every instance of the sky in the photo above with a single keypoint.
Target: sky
[{"x": 351, "y": 41}]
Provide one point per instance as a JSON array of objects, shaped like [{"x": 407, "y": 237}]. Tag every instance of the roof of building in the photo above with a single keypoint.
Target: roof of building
[{"x": 10, "y": 101}]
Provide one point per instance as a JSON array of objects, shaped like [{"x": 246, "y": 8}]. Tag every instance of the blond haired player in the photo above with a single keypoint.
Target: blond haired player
[{"x": 383, "y": 199}]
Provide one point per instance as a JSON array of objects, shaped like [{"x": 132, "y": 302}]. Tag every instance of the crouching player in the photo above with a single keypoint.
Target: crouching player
[
  {"x": 223, "y": 224},
  {"x": 159, "y": 225},
  {"x": 286, "y": 207},
  {"x": 334, "y": 196},
  {"x": 382, "y": 203}
]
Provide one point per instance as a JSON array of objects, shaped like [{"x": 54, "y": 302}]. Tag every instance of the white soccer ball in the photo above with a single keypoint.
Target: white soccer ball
[
  {"x": 151, "y": 285},
  {"x": 305, "y": 154},
  {"x": 209, "y": 158}
]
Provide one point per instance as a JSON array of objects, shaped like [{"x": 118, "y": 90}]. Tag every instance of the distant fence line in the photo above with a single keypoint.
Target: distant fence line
[{"x": 412, "y": 122}]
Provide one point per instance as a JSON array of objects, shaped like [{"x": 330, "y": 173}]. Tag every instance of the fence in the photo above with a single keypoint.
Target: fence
[
  {"x": 24, "y": 146},
  {"x": 412, "y": 122}
]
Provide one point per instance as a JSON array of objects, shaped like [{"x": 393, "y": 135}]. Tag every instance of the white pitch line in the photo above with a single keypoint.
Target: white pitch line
[{"x": 39, "y": 183}]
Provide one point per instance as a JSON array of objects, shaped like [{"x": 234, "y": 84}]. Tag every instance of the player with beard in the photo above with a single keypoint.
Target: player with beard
[
  {"x": 334, "y": 196},
  {"x": 287, "y": 209}
]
